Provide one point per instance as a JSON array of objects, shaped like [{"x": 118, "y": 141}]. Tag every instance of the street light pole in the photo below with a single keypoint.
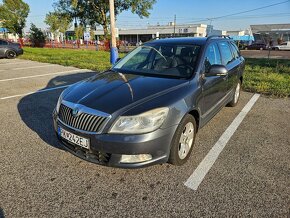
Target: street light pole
[{"x": 114, "y": 50}]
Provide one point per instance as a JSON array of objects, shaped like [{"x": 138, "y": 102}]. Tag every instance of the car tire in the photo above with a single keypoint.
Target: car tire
[
  {"x": 236, "y": 96},
  {"x": 276, "y": 49},
  {"x": 183, "y": 141},
  {"x": 10, "y": 54}
]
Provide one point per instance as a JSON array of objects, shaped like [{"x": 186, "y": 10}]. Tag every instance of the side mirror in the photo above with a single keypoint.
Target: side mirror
[{"x": 217, "y": 70}]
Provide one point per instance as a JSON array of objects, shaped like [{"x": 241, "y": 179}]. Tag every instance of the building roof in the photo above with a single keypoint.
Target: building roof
[
  {"x": 162, "y": 29},
  {"x": 270, "y": 27}
]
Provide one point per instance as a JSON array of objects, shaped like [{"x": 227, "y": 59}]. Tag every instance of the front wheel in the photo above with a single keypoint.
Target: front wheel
[
  {"x": 183, "y": 141},
  {"x": 236, "y": 96},
  {"x": 11, "y": 54}
]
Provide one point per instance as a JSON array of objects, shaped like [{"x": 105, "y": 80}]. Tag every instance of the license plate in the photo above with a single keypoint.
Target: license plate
[{"x": 75, "y": 139}]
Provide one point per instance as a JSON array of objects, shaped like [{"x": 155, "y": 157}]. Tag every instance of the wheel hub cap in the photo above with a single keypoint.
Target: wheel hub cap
[{"x": 186, "y": 140}]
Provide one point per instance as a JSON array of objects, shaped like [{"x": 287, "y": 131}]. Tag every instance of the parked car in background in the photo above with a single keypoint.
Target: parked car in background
[
  {"x": 256, "y": 46},
  {"x": 10, "y": 49},
  {"x": 283, "y": 46},
  {"x": 148, "y": 107}
]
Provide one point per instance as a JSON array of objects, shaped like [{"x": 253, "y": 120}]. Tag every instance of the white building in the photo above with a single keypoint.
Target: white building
[{"x": 154, "y": 31}]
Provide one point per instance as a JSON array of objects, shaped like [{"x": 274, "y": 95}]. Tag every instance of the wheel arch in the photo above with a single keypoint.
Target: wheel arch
[{"x": 196, "y": 116}]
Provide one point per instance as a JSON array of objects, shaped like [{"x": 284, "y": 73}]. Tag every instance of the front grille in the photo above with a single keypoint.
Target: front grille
[{"x": 83, "y": 121}]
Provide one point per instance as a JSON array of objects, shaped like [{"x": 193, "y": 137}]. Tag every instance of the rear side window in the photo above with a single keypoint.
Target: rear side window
[
  {"x": 235, "y": 49},
  {"x": 212, "y": 56},
  {"x": 227, "y": 56}
]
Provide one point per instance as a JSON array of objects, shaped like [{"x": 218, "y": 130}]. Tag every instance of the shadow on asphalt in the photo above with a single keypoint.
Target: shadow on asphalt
[
  {"x": 2, "y": 213},
  {"x": 36, "y": 109}
]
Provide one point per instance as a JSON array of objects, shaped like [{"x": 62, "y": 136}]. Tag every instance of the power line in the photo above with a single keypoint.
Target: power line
[{"x": 247, "y": 11}]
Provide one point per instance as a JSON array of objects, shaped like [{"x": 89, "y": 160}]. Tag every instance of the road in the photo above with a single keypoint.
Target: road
[
  {"x": 39, "y": 179},
  {"x": 265, "y": 53}
]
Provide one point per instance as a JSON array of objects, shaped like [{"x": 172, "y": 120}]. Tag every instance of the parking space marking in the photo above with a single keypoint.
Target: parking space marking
[
  {"x": 17, "y": 62},
  {"x": 39, "y": 91},
  {"x": 41, "y": 75},
  {"x": 203, "y": 168},
  {"x": 34, "y": 67}
]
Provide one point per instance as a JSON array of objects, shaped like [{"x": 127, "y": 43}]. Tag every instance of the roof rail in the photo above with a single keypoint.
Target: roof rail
[{"x": 218, "y": 36}]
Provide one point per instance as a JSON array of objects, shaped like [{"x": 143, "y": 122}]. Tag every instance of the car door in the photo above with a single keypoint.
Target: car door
[
  {"x": 214, "y": 87},
  {"x": 234, "y": 67},
  {"x": 283, "y": 46},
  {"x": 231, "y": 63}
]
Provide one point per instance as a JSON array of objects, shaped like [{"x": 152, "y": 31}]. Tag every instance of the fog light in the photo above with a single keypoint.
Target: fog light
[{"x": 135, "y": 158}]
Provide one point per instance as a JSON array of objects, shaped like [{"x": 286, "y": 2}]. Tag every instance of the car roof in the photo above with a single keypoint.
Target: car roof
[{"x": 184, "y": 40}]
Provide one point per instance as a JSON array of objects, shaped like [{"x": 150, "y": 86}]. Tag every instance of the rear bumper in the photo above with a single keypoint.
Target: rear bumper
[{"x": 107, "y": 149}]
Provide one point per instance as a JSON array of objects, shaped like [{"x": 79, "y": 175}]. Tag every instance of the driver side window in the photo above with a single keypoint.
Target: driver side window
[{"x": 212, "y": 57}]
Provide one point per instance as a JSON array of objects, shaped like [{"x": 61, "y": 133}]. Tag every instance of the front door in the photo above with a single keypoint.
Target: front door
[{"x": 214, "y": 88}]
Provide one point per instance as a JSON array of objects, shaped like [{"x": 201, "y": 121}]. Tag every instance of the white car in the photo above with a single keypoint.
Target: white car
[{"x": 282, "y": 46}]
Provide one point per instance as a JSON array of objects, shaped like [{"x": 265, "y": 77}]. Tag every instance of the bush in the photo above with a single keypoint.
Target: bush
[{"x": 36, "y": 36}]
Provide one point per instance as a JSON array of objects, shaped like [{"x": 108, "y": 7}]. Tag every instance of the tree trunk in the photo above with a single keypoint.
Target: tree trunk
[{"x": 105, "y": 24}]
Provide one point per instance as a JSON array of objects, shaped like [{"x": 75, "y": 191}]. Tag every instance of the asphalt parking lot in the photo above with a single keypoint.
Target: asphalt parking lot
[{"x": 250, "y": 177}]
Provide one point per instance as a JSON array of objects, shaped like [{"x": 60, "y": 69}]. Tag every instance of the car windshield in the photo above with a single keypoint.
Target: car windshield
[{"x": 177, "y": 61}]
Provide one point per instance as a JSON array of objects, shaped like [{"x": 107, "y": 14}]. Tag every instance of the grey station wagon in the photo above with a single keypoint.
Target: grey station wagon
[{"x": 149, "y": 106}]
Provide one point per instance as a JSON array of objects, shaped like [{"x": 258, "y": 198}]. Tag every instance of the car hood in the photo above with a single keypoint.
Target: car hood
[{"x": 110, "y": 91}]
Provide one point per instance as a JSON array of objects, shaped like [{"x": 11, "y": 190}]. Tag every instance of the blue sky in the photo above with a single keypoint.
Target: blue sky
[{"x": 189, "y": 11}]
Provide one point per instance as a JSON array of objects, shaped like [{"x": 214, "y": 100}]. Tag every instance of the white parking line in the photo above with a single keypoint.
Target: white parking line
[
  {"x": 25, "y": 68},
  {"x": 39, "y": 91},
  {"x": 34, "y": 67},
  {"x": 41, "y": 75},
  {"x": 203, "y": 168},
  {"x": 16, "y": 62}
]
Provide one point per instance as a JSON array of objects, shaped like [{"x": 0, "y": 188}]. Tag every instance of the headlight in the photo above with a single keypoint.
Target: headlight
[
  {"x": 142, "y": 123},
  {"x": 58, "y": 103}
]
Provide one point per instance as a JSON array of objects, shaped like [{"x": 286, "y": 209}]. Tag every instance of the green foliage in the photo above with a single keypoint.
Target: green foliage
[
  {"x": 58, "y": 22},
  {"x": 79, "y": 32},
  {"x": 86, "y": 59},
  {"x": 14, "y": 14},
  {"x": 270, "y": 77},
  {"x": 96, "y": 12},
  {"x": 36, "y": 36},
  {"x": 52, "y": 21}
]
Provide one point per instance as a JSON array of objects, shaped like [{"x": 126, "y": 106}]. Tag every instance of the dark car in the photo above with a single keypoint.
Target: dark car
[
  {"x": 149, "y": 106},
  {"x": 256, "y": 46},
  {"x": 10, "y": 49}
]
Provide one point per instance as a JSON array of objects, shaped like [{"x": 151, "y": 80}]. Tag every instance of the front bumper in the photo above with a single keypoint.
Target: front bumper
[
  {"x": 107, "y": 149},
  {"x": 20, "y": 51}
]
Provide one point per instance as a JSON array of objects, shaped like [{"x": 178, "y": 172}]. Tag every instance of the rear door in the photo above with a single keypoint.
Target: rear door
[
  {"x": 237, "y": 65},
  {"x": 230, "y": 61}
]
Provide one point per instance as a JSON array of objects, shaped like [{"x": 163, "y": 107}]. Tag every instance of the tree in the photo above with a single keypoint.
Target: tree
[
  {"x": 58, "y": 22},
  {"x": 36, "y": 36},
  {"x": 96, "y": 12},
  {"x": 14, "y": 14}
]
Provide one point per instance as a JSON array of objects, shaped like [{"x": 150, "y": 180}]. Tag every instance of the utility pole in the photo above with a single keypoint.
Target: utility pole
[
  {"x": 174, "y": 24},
  {"x": 114, "y": 50}
]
